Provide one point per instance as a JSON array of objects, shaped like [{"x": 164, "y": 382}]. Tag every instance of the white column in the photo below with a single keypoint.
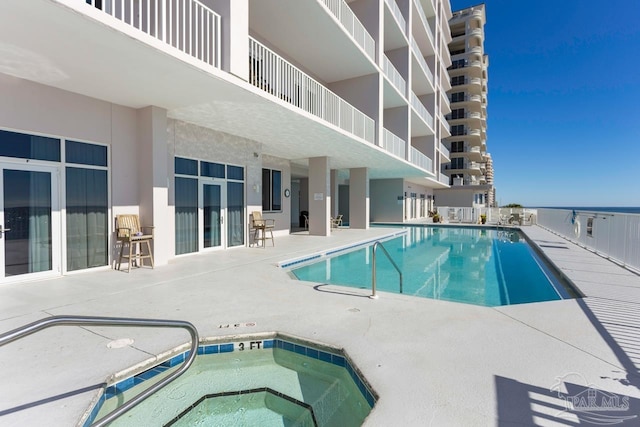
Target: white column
[
  {"x": 359, "y": 198},
  {"x": 153, "y": 175},
  {"x": 319, "y": 196}
]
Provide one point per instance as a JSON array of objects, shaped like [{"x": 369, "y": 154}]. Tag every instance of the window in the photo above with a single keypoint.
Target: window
[
  {"x": 85, "y": 154},
  {"x": 271, "y": 190},
  {"x": 213, "y": 170},
  {"x": 457, "y": 147},
  {"x": 457, "y": 113},
  {"x": 460, "y": 63},
  {"x": 186, "y": 166},
  {"x": 457, "y": 163},
  {"x": 457, "y": 80},
  {"x": 457, "y": 130},
  {"x": 23, "y": 146},
  {"x": 457, "y": 97}
]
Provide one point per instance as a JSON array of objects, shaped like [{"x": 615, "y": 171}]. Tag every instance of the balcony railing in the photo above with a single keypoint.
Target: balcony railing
[
  {"x": 393, "y": 144},
  {"x": 419, "y": 159},
  {"x": 443, "y": 178},
  {"x": 397, "y": 14},
  {"x": 341, "y": 10},
  {"x": 187, "y": 25},
  {"x": 472, "y": 98},
  {"x": 275, "y": 75},
  {"x": 421, "y": 110},
  {"x": 443, "y": 150},
  {"x": 394, "y": 75},
  {"x": 424, "y": 20},
  {"x": 421, "y": 60}
]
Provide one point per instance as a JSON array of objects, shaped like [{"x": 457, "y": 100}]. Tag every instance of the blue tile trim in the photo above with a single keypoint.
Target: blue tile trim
[
  {"x": 331, "y": 252},
  {"x": 336, "y": 359}
]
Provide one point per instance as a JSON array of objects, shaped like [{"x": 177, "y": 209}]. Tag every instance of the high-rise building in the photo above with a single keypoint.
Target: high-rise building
[
  {"x": 468, "y": 170},
  {"x": 194, "y": 114}
]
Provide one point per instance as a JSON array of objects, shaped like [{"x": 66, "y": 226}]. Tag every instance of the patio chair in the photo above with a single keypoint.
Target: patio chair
[
  {"x": 261, "y": 226},
  {"x": 306, "y": 222},
  {"x": 336, "y": 222},
  {"x": 130, "y": 233}
]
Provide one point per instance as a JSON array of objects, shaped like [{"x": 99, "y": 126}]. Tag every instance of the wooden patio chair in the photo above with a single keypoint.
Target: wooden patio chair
[
  {"x": 130, "y": 233},
  {"x": 261, "y": 226}
]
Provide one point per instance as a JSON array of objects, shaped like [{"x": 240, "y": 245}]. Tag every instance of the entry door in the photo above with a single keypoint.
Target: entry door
[
  {"x": 29, "y": 222},
  {"x": 212, "y": 217}
]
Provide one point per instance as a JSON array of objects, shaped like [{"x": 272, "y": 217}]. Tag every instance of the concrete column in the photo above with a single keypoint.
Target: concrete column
[
  {"x": 359, "y": 198},
  {"x": 319, "y": 196},
  {"x": 335, "y": 204},
  {"x": 153, "y": 175}
]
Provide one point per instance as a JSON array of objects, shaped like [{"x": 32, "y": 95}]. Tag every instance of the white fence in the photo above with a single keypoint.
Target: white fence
[
  {"x": 341, "y": 10},
  {"x": 420, "y": 159},
  {"x": 275, "y": 75},
  {"x": 187, "y": 25},
  {"x": 393, "y": 143},
  {"x": 613, "y": 235},
  {"x": 394, "y": 75},
  {"x": 421, "y": 110}
]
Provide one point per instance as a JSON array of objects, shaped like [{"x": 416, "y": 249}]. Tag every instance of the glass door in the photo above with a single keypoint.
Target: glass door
[
  {"x": 29, "y": 222},
  {"x": 213, "y": 215}
]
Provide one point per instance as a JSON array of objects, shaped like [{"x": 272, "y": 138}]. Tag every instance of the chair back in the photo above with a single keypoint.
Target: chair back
[{"x": 127, "y": 225}]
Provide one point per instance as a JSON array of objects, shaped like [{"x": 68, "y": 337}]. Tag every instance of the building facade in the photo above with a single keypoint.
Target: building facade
[
  {"x": 469, "y": 176},
  {"x": 193, "y": 114}
]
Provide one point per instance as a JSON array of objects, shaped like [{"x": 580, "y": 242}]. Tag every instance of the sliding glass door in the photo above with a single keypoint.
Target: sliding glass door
[{"x": 29, "y": 221}]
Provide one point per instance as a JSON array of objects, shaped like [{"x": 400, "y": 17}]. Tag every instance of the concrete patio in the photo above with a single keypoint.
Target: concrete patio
[{"x": 430, "y": 362}]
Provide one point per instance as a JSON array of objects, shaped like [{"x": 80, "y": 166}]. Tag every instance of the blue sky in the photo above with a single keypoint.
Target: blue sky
[{"x": 564, "y": 101}]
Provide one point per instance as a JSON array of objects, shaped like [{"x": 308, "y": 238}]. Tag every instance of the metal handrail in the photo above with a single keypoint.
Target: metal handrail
[
  {"x": 41, "y": 324},
  {"x": 373, "y": 268}
]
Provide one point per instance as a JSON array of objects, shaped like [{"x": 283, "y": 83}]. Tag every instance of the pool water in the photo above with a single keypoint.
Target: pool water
[
  {"x": 277, "y": 386},
  {"x": 481, "y": 266}
]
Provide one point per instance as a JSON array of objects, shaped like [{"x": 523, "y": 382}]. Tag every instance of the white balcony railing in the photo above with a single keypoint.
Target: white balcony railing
[
  {"x": 419, "y": 159},
  {"x": 397, "y": 14},
  {"x": 424, "y": 20},
  {"x": 421, "y": 60},
  {"x": 444, "y": 151},
  {"x": 443, "y": 178},
  {"x": 187, "y": 25},
  {"x": 421, "y": 110},
  {"x": 275, "y": 75},
  {"x": 341, "y": 10},
  {"x": 393, "y": 144},
  {"x": 394, "y": 75}
]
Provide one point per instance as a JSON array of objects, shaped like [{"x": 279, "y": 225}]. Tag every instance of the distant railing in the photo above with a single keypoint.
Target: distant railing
[
  {"x": 423, "y": 64},
  {"x": 421, "y": 110},
  {"x": 187, "y": 25},
  {"x": 394, "y": 75},
  {"x": 613, "y": 235},
  {"x": 443, "y": 150},
  {"x": 443, "y": 178},
  {"x": 397, "y": 14},
  {"x": 424, "y": 20},
  {"x": 420, "y": 159},
  {"x": 341, "y": 10},
  {"x": 393, "y": 144},
  {"x": 275, "y": 75}
]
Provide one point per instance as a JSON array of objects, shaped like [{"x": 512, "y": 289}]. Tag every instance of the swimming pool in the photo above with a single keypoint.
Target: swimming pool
[
  {"x": 265, "y": 382},
  {"x": 481, "y": 266}
]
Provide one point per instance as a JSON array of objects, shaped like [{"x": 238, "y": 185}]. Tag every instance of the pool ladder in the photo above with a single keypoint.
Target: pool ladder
[
  {"x": 373, "y": 268},
  {"x": 41, "y": 324}
]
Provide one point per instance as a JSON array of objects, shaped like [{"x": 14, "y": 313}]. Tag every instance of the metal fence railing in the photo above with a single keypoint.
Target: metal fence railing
[{"x": 613, "y": 235}]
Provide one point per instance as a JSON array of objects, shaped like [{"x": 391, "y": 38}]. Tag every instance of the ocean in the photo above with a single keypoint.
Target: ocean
[{"x": 623, "y": 209}]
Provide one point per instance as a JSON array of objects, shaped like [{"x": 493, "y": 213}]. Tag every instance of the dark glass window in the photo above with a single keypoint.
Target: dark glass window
[
  {"x": 457, "y": 97},
  {"x": 23, "y": 146},
  {"x": 271, "y": 190},
  {"x": 85, "y": 154},
  {"x": 457, "y": 147},
  {"x": 235, "y": 172},
  {"x": 185, "y": 166},
  {"x": 458, "y": 130},
  {"x": 457, "y": 113},
  {"x": 186, "y": 215},
  {"x": 457, "y": 80},
  {"x": 213, "y": 170}
]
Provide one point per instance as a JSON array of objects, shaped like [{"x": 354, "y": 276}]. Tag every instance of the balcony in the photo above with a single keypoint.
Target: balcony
[
  {"x": 394, "y": 75},
  {"x": 419, "y": 159},
  {"x": 423, "y": 63},
  {"x": 393, "y": 144},
  {"x": 444, "y": 179},
  {"x": 343, "y": 13},
  {"x": 273, "y": 74},
  {"x": 466, "y": 81},
  {"x": 421, "y": 110},
  {"x": 424, "y": 20},
  {"x": 397, "y": 14},
  {"x": 444, "y": 151},
  {"x": 186, "y": 25},
  {"x": 467, "y": 98}
]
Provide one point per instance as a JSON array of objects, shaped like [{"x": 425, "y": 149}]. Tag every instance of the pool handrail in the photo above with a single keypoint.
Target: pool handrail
[
  {"x": 373, "y": 268},
  {"x": 63, "y": 320}
]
